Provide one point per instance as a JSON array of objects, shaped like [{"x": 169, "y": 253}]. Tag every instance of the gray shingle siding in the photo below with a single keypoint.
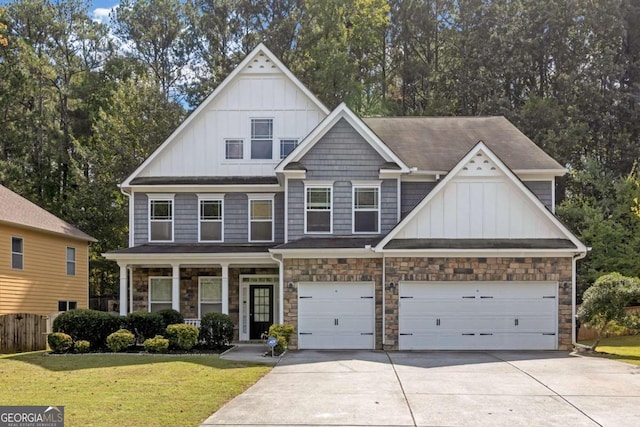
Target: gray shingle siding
[
  {"x": 140, "y": 221},
  {"x": 542, "y": 189},
  {"x": 341, "y": 156},
  {"x": 412, "y": 193}
]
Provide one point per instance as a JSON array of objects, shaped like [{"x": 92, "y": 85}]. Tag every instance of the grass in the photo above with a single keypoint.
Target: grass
[
  {"x": 624, "y": 349},
  {"x": 126, "y": 390}
]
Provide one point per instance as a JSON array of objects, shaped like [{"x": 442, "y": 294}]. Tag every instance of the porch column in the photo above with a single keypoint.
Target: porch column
[
  {"x": 225, "y": 288},
  {"x": 175, "y": 287},
  {"x": 123, "y": 288}
]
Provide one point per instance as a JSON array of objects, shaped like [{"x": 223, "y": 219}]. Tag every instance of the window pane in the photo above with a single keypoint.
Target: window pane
[
  {"x": 161, "y": 230},
  {"x": 71, "y": 268},
  {"x": 62, "y": 306},
  {"x": 318, "y": 198},
  {"x": 261, "y": 209},
  {"x": 211, "y": 231},
  {"x": 16, "y": 244},
  {"x": 261, "y": 231},
  {"x": 155, "y": 307},
  {"x": 210, "y": 308},
  {"x": 161, "y": 289},
  {"x": 366, "y": 198},
  {"x": 211, "y": 209},
  {"x": 210, "y": 289},
  {"x": 73, "y": 305},
  {"x": 161, "y": 209},
  {"x": 16, "y": 261},
  {"x": 261, "y": 149},
  {"x": 366, "y": 221},
  {"x": 233, "y": 149},
  {"x": 71, "y": 254},
  {"x": 261, "y": 128},
  {"x": 319, "y": 221},
  {"x": 287, "y": 146}
]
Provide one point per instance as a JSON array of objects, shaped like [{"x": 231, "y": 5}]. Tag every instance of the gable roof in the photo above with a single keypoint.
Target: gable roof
[
  {"x": 18, "y": 211},
  {"x": 341, "y": 112},
  {"x": 261, "y": 49},
  {"x": 436, "y": 144},
  {"x": 498, "y": 168}
]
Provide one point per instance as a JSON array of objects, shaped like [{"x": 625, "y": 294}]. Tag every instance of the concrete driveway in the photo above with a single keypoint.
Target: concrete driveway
[{"x": 375, "y": 388}]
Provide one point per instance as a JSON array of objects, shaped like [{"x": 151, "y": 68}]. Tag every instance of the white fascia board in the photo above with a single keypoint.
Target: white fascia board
[
  {"x": 295, "y": 174},
  {"x": 326, "y": 253},
  {"x": 422, "y": 177},
  {"x": 234, "y": 188},
  {"x": 191, "y": 258},
  {"x": 341, "y": 112},
  {"x": 389, "y": 174},
  {"x": 481, "y": 146},
  {"x": 478, "y": 253},
  {"x": 204, "y": 104}
]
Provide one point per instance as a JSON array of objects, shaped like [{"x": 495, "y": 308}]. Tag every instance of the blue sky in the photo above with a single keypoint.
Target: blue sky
[{"x": 99, "y": 9}]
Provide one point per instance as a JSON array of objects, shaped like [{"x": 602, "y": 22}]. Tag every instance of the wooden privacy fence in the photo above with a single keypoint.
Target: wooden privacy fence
[
  {"x": 586, "y": 333},
  {"x": 22, "y": 332}
]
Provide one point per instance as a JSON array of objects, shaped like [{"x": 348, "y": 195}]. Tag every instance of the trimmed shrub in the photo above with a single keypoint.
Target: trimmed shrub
[
  {"x": 156, "y": 344},
  {"x": 216, "y": 330},
  {"x": 283, "y": 335},
  {"x": 60, "y": 342},
  {"x": 120, "y": 340},
  {"x": 144, "y": 325},
  {"x": 87, "y": 325},
  {"x": 170, "y": 317},
  {"x": 182, "y": 336},
  {"x": 81, "y": 346}
]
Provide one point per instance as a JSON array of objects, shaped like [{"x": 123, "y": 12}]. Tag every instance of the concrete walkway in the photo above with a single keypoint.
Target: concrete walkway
[
  {"x": 257, "y": 353},
  {"x": 367, "y": 388}
]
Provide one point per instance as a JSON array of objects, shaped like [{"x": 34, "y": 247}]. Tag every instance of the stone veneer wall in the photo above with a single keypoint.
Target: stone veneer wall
[
  {"x": 480, "y": 269},
  {"x": 330, "y": 270}
]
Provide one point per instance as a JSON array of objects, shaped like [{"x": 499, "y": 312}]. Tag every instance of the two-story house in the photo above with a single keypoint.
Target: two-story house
[
  {"x": 399, "y": 233},
  {"x": 44, "y": 261}
]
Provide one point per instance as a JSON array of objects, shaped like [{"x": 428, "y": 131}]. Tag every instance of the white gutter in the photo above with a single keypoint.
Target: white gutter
[
  {"x": 280, "y": 287},
  {"x": 576, "y": 257}
]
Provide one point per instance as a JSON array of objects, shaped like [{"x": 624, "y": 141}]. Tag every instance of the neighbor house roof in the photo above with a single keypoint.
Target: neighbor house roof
[
  {"x": 436, "y": 144},
  {"x": 18, "y": 211}
]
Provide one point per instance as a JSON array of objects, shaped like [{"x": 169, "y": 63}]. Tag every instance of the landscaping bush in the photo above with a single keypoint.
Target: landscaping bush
[
  {"x": 88, "y": 325},
  {"x": 170, "y": 317},
  {"x": 156, "y": 344},
  {"x": 282, "y": 333},
  {"x": 120, "y": 340},
  {"x": 216, "y": 330},
  {"x": 82, "y": 346},
  {"x": 144, "y": 325},
  {"x": 182, "y": 336},
  {"x": 60, "y": 342}
]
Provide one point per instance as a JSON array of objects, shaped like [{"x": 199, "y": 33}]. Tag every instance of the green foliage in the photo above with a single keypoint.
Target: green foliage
[
  {"x": 157, "y": 344},
  {"x": 283, "y": 335},
  {"x": 182, "y": 336},
  {"x": 216, "y": 330},
  {"x": 89, "y": 325},
  {"x": 144, "y": 325},
  {"x": 120, "y": 340},
  {"x": 170, "y": 317},
  {"x": 81, "y": 346},
  {"x": 605, "y": 302},
  {"x": 60, "y": 342}
]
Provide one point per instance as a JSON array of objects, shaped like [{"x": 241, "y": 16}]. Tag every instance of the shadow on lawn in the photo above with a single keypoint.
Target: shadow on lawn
[{"x": 74, "y": 362}]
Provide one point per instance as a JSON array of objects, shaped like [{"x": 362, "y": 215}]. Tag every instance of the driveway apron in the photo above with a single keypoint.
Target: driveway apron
[{"x": 447, "y": 388}]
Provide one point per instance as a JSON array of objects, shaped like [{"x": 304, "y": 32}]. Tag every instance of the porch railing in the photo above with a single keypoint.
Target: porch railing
[{"x": 193, "y": 322}]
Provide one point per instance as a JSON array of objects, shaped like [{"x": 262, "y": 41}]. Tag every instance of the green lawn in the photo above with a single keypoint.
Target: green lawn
[
  {"x": 625, "y": 349},
  {"x": 125, "y": 390}
]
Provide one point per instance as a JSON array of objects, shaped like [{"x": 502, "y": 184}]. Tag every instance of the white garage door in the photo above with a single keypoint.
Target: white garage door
[
  {"x": 478, "y": 316},
  {"x": 336, "y": 316}
]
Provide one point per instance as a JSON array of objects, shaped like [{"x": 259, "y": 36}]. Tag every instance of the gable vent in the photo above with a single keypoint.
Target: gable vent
[{"x": 480, "y": 165}]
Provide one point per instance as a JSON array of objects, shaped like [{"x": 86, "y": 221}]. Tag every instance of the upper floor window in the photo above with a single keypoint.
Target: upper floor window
[
  {"x": 287, "y": 146},
  {"x": 71, "y": 261},
  {"x": 233, "y": 149},
  {"x": 17, "y": 253},
  {"x": 318, "y": 209},
  {"x": 160, "y": 293},
  {"x": 211, "y": 218},
  {"x": 261, "y": 218},
  {"x": 209, "y": 295},
  {"x": 366, "y": 209},
  {"x": 262, "y": 139},
  {"x": 160, "y": 218}
]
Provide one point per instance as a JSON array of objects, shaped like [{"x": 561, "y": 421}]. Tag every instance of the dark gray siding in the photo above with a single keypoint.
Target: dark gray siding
[
  {"x": 140, "y": 221},
  {"x": 236, "y": 218},
  {"x": 542, "y": 189},
  {"x": 412, "y": 193},
  {"x": 341, "y": 156},
  {"x": 185, "y": 222}
]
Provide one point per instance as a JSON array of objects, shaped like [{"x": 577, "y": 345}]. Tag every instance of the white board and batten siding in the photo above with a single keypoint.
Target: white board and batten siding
[
  {"x": 199, "y": 149},
  {"x": 336, "y": 315},
  {"x": 478, "y": 316}
]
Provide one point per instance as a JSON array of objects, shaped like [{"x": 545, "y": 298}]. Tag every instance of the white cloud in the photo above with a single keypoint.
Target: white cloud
[{"x": 101, "y": 14}]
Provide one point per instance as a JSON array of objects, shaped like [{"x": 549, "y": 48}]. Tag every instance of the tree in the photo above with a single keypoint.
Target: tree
[{"x": 605, "y": 302}]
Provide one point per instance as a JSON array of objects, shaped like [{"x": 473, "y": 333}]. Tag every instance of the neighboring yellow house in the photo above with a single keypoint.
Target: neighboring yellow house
[{"x": 44, "y": 261}]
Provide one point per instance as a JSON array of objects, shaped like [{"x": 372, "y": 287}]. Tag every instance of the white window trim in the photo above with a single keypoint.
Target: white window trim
[
  {"x": 209, "y": 198},
  {"x": 160, "y": 197},
  {"x": 273, "y": 139},
  {"x": 17, "y": 253},
  {"x": 261, "y": 196},
  {"x": 73, "y": 260},
  {"x": 224, "y": 150},
  {"x": 319, "y": 184},
  {"x": 149, "y": 292},
  {"x": 200, "y": 293},
  {"x": 359, "y": 185}
]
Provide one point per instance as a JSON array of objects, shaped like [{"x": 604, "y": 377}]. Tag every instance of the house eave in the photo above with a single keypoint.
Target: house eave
[
  {"x": 190, "y": 258},
  {"x": 481, "y": 253},
  {"x": 326, "y": 253},
  {"x": 226, "y": 188}
]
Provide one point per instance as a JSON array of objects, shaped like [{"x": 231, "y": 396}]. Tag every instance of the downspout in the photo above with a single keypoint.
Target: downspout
[
  {"x": 384, "y": 281},
  {"x": 576, "y": 257},
  {"x": 286, "y": 209},
  {"x": 130, "y": 215},
  {"x": 280, "y": 286}
]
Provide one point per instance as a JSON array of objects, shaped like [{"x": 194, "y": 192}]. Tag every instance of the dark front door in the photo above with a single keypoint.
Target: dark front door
[{"x": 260, "y": 310}]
